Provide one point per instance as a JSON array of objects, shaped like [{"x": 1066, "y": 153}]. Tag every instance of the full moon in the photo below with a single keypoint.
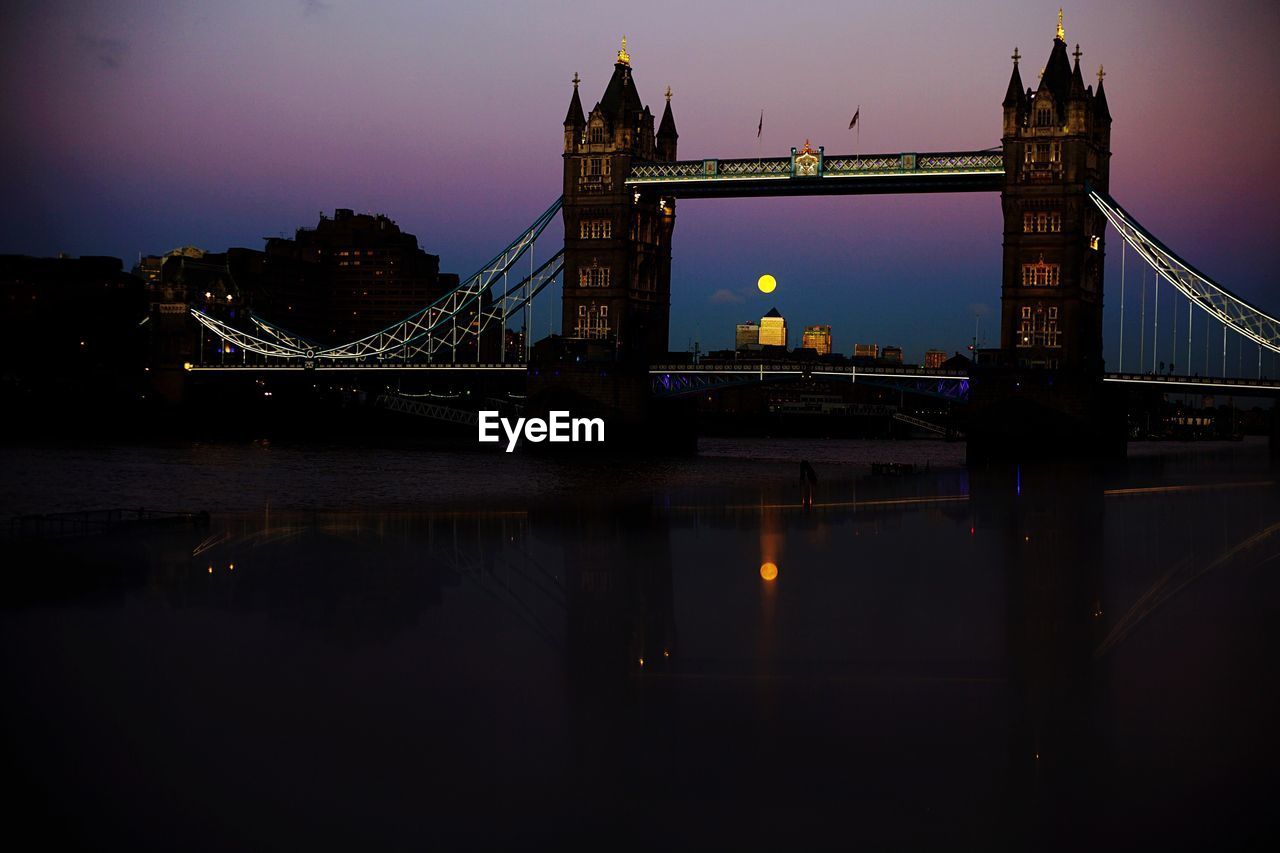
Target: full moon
[
  {"x": 769, "y": 571},
  {"x": 767, "y": 283}
]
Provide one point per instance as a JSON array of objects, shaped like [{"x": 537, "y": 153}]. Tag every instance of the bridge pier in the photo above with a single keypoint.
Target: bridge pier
[
  {"x": 586, "y": 379},
  {"x": 1025, "y": 414},
  {"x": 1275, "y": 434}
]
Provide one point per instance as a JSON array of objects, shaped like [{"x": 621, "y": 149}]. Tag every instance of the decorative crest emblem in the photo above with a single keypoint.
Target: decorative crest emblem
[{"x": 807, "y": 161}]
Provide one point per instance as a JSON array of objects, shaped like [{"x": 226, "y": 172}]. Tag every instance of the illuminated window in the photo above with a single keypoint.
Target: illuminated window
[
  {"x": 596, "y": 229},
  {"x": 593, "y": 321},
  {"x": 594, "y": 276},
  {"x": 1042, "y": 222},
  {"x": 1041, "y": 274},
  {"x": 1039, "y": 328}
]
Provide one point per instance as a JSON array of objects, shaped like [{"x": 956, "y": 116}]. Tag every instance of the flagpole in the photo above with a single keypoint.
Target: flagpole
[{"x": 759, "y": 132}]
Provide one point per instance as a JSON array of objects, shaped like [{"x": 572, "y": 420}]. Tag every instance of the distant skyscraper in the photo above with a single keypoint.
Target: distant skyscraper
[
  {"x": 934, "y": 358},
  {"x": 866, "y": 351},
  {"x": 747, "y": 335},
  {"x": 817, "y": 338},
  {"x": 773, "y": 329},
  {"x": 893, "y": 354}
]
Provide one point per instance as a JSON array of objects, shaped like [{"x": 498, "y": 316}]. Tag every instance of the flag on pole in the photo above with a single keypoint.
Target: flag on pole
[
  {"x": 853, "y": 122},
  {"x": 760, "y": 127}
]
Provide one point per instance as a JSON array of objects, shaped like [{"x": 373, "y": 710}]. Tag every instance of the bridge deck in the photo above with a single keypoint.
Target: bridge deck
[{"x": 952, "y": 171}]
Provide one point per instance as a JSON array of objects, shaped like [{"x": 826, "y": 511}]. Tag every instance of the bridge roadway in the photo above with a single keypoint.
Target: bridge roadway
[{"x": 761, "y": 371}]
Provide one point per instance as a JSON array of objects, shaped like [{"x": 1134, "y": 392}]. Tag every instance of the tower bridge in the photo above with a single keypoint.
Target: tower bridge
[{"x": 623, "y": 179}]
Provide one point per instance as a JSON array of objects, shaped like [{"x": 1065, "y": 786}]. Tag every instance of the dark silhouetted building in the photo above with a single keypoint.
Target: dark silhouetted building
[
  {"x": 350, "y": 276},
  {"x": 72, "y": 334}
]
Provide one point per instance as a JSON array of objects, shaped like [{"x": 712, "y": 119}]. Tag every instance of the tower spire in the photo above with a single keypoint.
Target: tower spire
[
  {"x": 1014, "y": 96},
  {"x": 574, "y": 117}
]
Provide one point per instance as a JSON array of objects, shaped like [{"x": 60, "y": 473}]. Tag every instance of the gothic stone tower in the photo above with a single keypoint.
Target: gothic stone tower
[
  {"x": 1056, "y": 147},
  {"x": 617, "y": 243}
]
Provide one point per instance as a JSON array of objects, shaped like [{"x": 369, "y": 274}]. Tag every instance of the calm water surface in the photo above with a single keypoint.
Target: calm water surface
[{"x": 378, "y": 649}]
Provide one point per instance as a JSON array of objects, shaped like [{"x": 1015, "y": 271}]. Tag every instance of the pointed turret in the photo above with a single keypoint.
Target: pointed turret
[
  {"x": 1100, "y": 100},
  {"x": 575, "y": 117},
  {"x": 1057, "y": 73},
  {"x": 574, "y": 120},
  {"x": 667, "y": 134},
  {"x": 620, "y": 98},
  {"x": 1013, "y": 96},
  {"x": 1077, "y": 81}
]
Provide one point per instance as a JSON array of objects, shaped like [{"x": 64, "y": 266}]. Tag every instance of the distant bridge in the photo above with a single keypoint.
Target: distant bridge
[{"x": 680, "y": 379}]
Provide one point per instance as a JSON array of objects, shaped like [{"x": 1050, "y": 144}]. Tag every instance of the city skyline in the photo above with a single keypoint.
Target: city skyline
[{"x": 189, "y": 145}]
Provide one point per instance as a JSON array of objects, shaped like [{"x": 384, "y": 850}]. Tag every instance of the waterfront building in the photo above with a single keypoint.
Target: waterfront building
[
  {"x": 773, "y": 329},
  {"x": 891, "y": 354},
  {"x": 866, "y": 351},
  {"x": 365, "y": 274},
  {"x": 817, "y": 338},
  {"x": 934, "y": 358},
  {"x": 746, "y": 336}
]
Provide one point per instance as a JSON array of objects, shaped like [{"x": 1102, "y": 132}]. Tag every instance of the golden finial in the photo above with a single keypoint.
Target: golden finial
[
  {"x": 1062, "y": 36},
  {"x": 668, "y": 94},
  {"x": 1101, "y": 74},
  {"x": 623, "y": 56}
]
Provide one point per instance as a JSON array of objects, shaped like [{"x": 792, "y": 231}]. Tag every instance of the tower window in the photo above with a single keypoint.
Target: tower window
[
  {"x": 1041, "y": 274},
  {"x": 1042, "y": 222},
  {"x": 1039, "y": 328},
  {"x": 593, "y": 321},
  {"x": 596, "y": 229},
  {"x": 594, "y": 276}
]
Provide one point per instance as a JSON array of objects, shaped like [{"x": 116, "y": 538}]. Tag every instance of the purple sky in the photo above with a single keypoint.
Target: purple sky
[{"x": 141, "y": 126}]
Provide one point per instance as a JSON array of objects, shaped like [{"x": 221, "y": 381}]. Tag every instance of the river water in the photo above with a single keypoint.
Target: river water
[{"x": 386, "y": 649}]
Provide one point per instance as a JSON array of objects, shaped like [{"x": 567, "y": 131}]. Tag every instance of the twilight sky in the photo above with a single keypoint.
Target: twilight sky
[{"x": 141, "y": 125}]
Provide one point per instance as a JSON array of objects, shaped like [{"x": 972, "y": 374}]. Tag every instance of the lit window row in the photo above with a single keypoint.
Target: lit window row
[
  {"x": 593, "y": 321},
  {"x": 1043, "y": 152},
  {"x": 1038, "y": 327},
  {"x": 1042, "y": 222},
  {"x": 596, "y": 229},
  {"x": 1041, "y": 275},
  {"x": 594, "y": 276}
]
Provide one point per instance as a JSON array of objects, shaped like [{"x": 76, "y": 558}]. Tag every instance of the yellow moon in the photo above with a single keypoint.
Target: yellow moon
[
  {"x": 769, "y": 571},
  {"x": 766, "y": 283}
]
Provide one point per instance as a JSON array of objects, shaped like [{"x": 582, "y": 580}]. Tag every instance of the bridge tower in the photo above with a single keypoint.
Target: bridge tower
[
  {"x": 617, "y": 243},
  {"x": 1056, "y": 146}
]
